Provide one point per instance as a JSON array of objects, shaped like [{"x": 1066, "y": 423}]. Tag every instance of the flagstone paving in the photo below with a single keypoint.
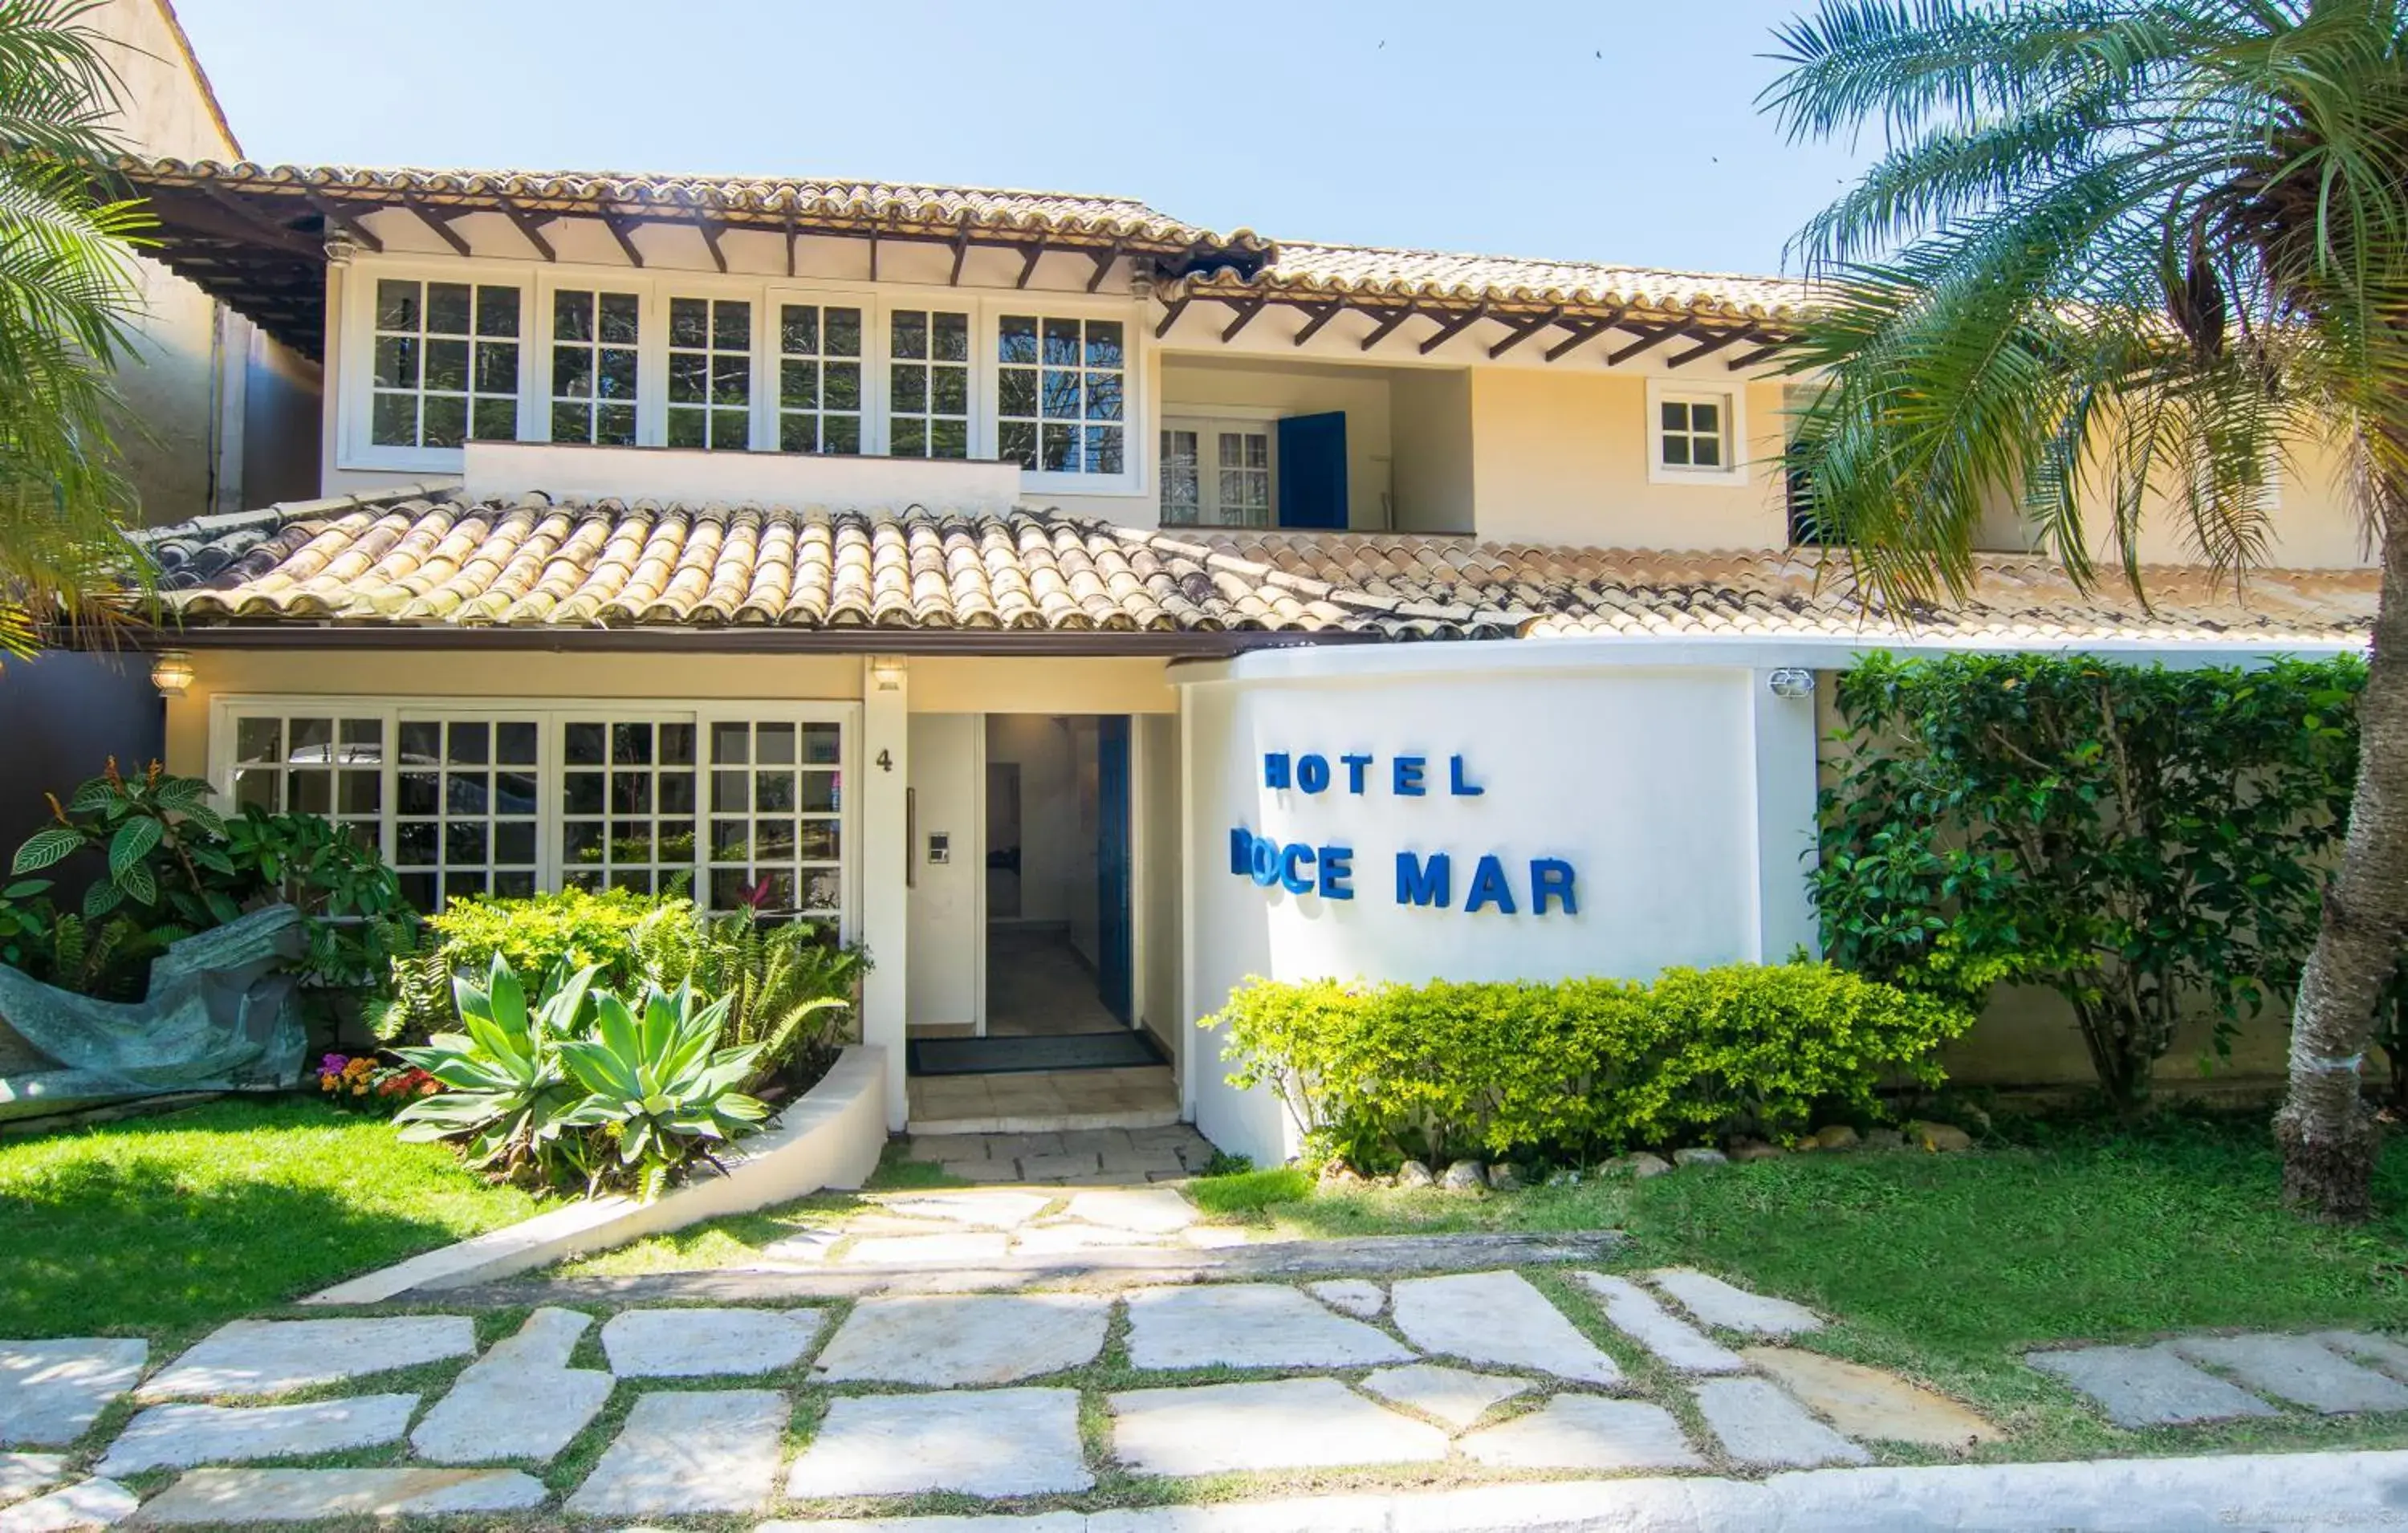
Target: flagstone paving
[
  {"x": 484, "y": 1418},
  {"x": 1249, "y": 1324},
  {"x": 258, "y": 1357},
  {"x": 1351, "y": 1296},
  {"x": 51, "y": 1392},
  {"x": 1760, "y": 1426},
  {"x": 1289, "y": 1424},
  {"x": 87, "y": 1503},
  {"x": 1726, "y": 1308},
  {"x": 1499, "y": 1319},
  {"x": 25, "y": 1474},
  {"x": 700, "y": 1343},
  {"x": 180, "y": 1435},
  {"x": 1455, "y": 1395},
  {"x": 1584, "y": 1432},
  {"x": 952, "y": 1340},
  {"x": 689, "y": 1452},
  {"x": 1865, "y": 1402},
  {"x": 2148, "y": 1386},
  {"x": 1677, "y": 1345},
  {"x": 985, "y": 1442},
  {"x": 304, "y": 1495},
  {"x": 2297, "y": 1369}
]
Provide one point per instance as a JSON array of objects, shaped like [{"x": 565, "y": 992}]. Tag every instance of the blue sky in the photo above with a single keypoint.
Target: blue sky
[{"x": 1610, "y": 130}]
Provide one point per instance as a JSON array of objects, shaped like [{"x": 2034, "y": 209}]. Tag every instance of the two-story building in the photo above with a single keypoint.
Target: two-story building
[{"x": 1084, "y": 608}]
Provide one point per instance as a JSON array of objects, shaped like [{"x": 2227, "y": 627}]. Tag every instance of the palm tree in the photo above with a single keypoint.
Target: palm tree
[
  {"x": 2115, "y": 255},
  {"x": 67, "y": 304}
]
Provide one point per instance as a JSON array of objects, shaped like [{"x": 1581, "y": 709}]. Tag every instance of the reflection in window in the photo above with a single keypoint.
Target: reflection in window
[
  {"x": 1217, "y": 474},
  {"x": 626, "y": 803},
  {"x": 312, "y": 764},
  {"x": 466, "y": 805},
  {"x": 1692, "y": 432},
  {"x": 1182, "y": 483},
  {"x": 594, "y": 366},
  {"x": 446, "y": 363},
  {"x": 818, "y": 379},
  {"x": 711, "y": 373},
  {"x": 927, "y": 383},
  {"x": 1060, "y": 394},
  {"x": 776, "y": 801}
]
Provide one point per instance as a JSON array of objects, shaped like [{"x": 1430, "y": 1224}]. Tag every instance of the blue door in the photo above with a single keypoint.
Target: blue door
[
  {"x": 1313, "y": 471},
  {"x": 1112, "y": 942}
]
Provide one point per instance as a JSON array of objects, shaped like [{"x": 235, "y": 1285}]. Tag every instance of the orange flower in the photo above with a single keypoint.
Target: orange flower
[{"x": 326, "y": 1082}]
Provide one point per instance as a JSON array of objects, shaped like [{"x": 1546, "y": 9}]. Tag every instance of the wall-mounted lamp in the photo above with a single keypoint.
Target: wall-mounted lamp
[
  {"x": 886, "y": 673},
  {"x": 171, "y": 672},
  {"x": 1141, "y": 283},
  {"x": 341, "y": 247},
  {"x": 1791, "y": 683}
]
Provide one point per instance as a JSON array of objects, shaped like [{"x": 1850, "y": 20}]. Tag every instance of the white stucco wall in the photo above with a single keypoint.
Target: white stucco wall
[
  {"x": 1642, "y": 777},
  {"x": 947, "y": 758}
]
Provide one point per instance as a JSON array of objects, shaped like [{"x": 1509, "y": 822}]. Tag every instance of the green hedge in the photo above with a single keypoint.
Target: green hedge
[{"x": 1569, "y": 1069}]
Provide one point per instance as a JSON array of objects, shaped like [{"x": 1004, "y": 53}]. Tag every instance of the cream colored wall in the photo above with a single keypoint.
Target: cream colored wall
[
  {"x": 1048, "y": 685},
  {"x": 1561, "y": 457},
  {"x": 1431, "y": 426},
  {"x": 1195, "y": 387}
]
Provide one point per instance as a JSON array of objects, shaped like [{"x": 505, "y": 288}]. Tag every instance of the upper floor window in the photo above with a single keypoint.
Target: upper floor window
[
  {"x": 927, "y": 383},
  {"x": 594, "y": 365},
  {"x": 818, "y": 379},
  {"x": 711, "y": 373},
  {"x": 1060, "y": 390},
  {"x": 447, "y": 364},
  {"x": 1695, "y": 434},
  {"x": 1217, "y": 474}
]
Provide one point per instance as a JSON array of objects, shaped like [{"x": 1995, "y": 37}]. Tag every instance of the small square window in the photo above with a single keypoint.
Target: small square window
[{"x": 1693, "y": 435}]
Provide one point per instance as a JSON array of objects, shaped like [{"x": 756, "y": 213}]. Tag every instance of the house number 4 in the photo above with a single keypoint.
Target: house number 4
[{"x": 885, "y": 761}]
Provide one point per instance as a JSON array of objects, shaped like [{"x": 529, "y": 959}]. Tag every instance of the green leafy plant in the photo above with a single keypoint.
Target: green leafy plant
[
  {"x": 505, "y": 1085},
  {"x": 1376, "y": 1073},
  {"x": 657, "y": 1084},
  {"x": 2145, "y": 841},
  {"x": 789, "y": 988}
]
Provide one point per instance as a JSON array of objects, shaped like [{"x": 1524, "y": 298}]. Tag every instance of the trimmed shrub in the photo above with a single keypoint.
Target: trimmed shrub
[{"x": 1376, "y": 1073}]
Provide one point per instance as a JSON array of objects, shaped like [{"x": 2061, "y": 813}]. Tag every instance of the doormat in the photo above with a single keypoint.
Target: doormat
[{"x": 1119, "y": 1048}]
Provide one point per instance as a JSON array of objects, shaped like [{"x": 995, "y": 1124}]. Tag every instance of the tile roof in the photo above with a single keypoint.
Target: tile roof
[
  {"x": 428, "y": 557},
  {"x": 1431, "y": 277},
  {"x": 2017, "y": 600}
]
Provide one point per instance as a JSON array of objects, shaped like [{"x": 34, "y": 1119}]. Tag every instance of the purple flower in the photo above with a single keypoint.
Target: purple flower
[{"x": 333, "y": 1063}]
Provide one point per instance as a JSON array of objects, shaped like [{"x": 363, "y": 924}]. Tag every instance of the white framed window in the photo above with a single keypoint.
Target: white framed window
[
  {"x": 928, "y": 383},
  {"x": 1695, "y": 434},
  {"x": 742, "y": 804},
  {"x": 709, "y": 394},
  {"x": 820, "y": 362},
  {"x": 1062, "y": 395},
  {"x": 445, "y": 362},
  {"x": 1219, "y": 473},
  {"x": 597, "y": 366}
]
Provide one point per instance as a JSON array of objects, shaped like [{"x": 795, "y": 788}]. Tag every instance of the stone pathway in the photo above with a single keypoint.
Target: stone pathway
[
  {"x": 1071, "y": 1157},
  {"x": 2331, "y": 1374}
]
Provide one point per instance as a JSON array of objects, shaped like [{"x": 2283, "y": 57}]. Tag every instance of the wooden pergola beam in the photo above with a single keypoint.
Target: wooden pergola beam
[
  {"x": 1649, "y": 339},
  {"x": 790, "y": 242},
  {"x": 1104, "y": 260},
  {"x": 1762, "y": 353},
  {"x": 710, "y": 231},
  {"x": 267, "y": 228},
  {"x": 1171, "y": 312},
  {"x": 1706, "y": 348},
  {"x": 529, "y": 228},
  {"x": 1454, "y": 327},
  {"x": 618, "y": 227},
  {"x": 1523, "y": 332},
  {"x": 334, "y": 213},
  {"x": 1321, "y": 316},
  {"x": 1387, "y": 327},
  {"x": 1028, "y": 264},
  {"x": 961, "y": 253},
  {"x": 1582, "y": 333},
  {"x": 439, "y": 222},
  {"x": 1245, "y": 309}
]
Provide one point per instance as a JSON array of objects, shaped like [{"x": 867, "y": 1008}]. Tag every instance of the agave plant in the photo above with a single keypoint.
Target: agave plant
[
  {"x": 656, "y": 1083},
  {"x": 507, "y": 1090}
]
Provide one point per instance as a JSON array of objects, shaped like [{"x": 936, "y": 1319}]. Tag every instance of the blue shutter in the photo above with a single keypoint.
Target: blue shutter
[{"x": 1313, "y": 471}]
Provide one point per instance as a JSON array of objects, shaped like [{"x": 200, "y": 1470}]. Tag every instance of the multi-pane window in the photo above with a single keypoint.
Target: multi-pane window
[
  {"x": 1060, "y": 393},
  {"x": 1217, "y": 474},
  {"x": 927, "y": 383},
  {"x": 627, "y": 800},
  {"x": 1692, "y": 431},
  {"x": 446, "y": 363},
  {"x": 818, "y": 379},
  {"x": 711, "y": 373},
  {"x": 777, "y": 803},
  {"x": 312, "y": 763},
  {"x": 594, "y": 366},
  {"x": 465, "y": 802}
]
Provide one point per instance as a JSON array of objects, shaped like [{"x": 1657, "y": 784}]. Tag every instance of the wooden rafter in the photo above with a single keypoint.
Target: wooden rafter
[
  {"x": 1104, "y": 260},
  {"x": 873, "y": 252},
  {"x": 618, "y": 227},
  {"x": 334, "y": 213},
  {"x": 1762, "y": 353},
  {"x": 1582, "y": 333},
  {"x": 1387, "y": 327},
  {"x": 1649, "y": 339},
  {"x": 1452, "y": 328},
  {"x": 1245, "y": 309},
  {"x": 790, "y": 242},
  {"x": 1523, "y": 332},
  {"x": 439, "y": 221},
  {"x": 1171, "y": 312},
  {"x": 530, "y": 229},
  {"x": 1028, "y": 264},
  {"x": 1321, "y": 316},
  {"x": 710, "y": 231},
  {"x": 288, "y": 241},
  {"x": 961, "y": 253},
  {"x": 1710, "y": 346}
]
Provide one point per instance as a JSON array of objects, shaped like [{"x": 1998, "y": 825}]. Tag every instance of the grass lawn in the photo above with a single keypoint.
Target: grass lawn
[{"x": 164, "y": 1226}]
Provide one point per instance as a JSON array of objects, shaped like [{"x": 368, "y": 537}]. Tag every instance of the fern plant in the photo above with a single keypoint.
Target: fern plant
[{"x": 790, "y": 992}]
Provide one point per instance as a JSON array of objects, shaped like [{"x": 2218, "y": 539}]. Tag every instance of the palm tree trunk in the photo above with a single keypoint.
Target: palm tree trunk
[{"x": 2329, "y": 1137}]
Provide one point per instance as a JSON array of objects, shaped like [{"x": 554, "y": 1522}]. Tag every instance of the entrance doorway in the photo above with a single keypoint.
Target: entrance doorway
[{"x": 1057, "y": 874}]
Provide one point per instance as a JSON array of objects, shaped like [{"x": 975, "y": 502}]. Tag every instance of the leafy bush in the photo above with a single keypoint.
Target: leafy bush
[
  {"x": 174, "y": 866},
  {"x": 581, "y": 1088},
  {"x": 1377, "y": 1073},
  {"x": 2141, "y": 840},
  {"x": 540, "y": 933}
]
